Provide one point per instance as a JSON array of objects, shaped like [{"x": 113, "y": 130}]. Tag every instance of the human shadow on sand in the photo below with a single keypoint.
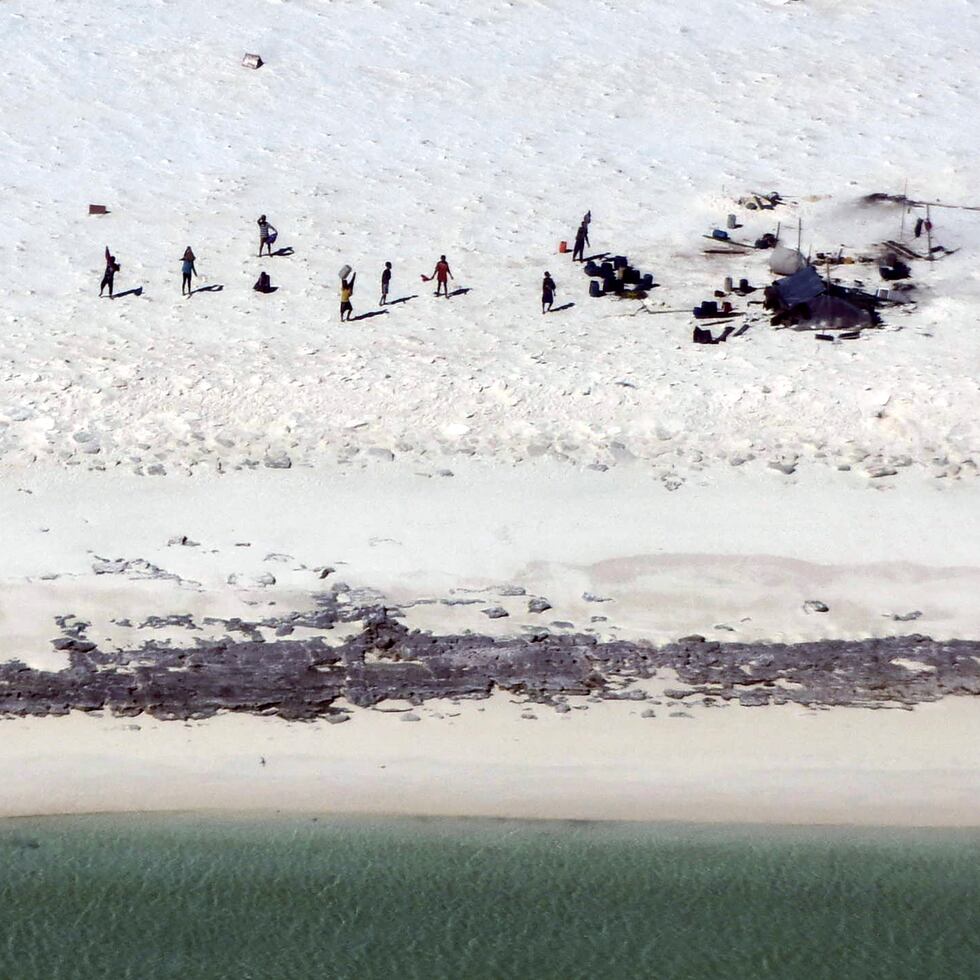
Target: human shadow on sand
[
  {"x": 558, "y": 309},
  {"x": 462, "y": 291},
  {"x": 367, "y": 316},
  {"x": 135, "y": 291},
  {"x": 213, "y": 288},
  {"x": 287, "y": 250},
  {"x": 401, "y": 299}
]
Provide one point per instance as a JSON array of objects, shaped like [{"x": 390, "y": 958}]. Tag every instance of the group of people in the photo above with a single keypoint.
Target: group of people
[{"x": 441, "y": 273}]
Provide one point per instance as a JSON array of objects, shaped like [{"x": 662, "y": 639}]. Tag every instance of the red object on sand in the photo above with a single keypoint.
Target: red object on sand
[
  {"x": 426, "y": 278},
  {"x": 563, "y": 247}
]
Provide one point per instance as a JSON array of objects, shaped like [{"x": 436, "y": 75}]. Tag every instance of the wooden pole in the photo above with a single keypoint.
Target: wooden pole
[
  {"x": 905, "y": 207},
  {"x": 929, "y": 231}
]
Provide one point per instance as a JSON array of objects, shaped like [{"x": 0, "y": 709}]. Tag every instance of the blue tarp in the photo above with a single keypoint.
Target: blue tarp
[{"x": 801, "y": 287}]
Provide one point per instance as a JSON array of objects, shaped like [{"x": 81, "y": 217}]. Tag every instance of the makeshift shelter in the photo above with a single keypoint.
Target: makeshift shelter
[{"x": 804, "y": 298}]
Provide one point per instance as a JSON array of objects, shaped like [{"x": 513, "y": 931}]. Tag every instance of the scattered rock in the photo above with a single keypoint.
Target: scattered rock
[
  {"x": 906, "y": 617},
  {"x": 598, "y": 467},
  {"x": 409, "y": 716},
  {"x": 251, "y": 581},
  {"x": 598, "y": 619},
  {"x": 385, "y": 455},
  {"x": 562, "y": 624},
  {"x": 278, "y": 461},
  {"x": 156, "y": 470},
  {"x": 538, "y": 605},
  {"x": 495, "y": 612},
  {"x": 285, "y": 630},
  {"x": 324, "y": 571},
  {"x": 648, "y": 713},
  {"x": 815, "y": 605},
  {"x": 337, "y": 717},
  {"x": 511, "y": 590},
  {"x": 692, "y": 638},
  {"x": 183, "y": 541},
  {"x": 878, "y": 472},
  {"x": 675, "y": 694},
  {"x": 680, "y": 714},
  {"x": 592, "y": 597},
  {"x": 562, "y": 708},
  {"x": 529, "y": 715}
]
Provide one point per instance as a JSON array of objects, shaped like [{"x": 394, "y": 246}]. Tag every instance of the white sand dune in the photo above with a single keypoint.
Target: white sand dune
[{"x": 397, "y": 131}]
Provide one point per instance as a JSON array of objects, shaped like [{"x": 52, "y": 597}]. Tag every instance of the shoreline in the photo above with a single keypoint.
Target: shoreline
[{"x": 777, "y": 765}]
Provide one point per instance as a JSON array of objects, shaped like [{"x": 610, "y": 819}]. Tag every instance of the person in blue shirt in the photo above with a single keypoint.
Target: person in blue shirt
[{"x": 187, "y": 269}]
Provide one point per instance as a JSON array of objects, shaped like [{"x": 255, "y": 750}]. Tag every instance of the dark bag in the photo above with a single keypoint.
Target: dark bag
[{"x": 264, "y": 283}]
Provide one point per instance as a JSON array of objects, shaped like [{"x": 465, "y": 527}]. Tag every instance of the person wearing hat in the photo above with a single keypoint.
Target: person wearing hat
[{"x": 548, "y": 288}]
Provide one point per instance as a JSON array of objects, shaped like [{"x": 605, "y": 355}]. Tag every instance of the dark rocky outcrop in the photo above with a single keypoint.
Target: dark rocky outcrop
[{"x": 303, "y": 678}]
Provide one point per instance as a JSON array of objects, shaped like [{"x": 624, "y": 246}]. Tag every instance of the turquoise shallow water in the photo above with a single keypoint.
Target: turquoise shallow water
[{"x": 185, "y": 897}]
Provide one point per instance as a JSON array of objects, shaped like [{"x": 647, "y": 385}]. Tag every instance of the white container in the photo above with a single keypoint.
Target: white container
[
  {"x": 883, "y": 294},
  {"x": 732, "y": 221},
  {"x": 345, "y": 271},
  {"x": 252, "y": 61}
]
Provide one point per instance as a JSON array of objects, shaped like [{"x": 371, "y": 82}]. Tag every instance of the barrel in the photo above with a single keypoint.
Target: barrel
[
  {"x": 728, "y": 284},
  {"x": 647, "y": 281},
  {"x": 732, "y": 221},
  {"x": 594, "y": 288}
]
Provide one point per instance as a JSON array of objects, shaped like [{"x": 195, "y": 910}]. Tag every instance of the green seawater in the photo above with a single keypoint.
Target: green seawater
[{"x": 181, "y": 896}]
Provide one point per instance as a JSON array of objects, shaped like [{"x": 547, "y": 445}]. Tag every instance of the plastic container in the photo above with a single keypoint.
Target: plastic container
[
  {"x": 563, "y": 247},
  {"x": 719, "y": 234},
  {"x": 345, "y": 271},
  {"x": 729, "y": 284},
  {"x": 647, "y": 281},
  {"x": 594, "y": 288},
  {"x": 732, "y": 221}
]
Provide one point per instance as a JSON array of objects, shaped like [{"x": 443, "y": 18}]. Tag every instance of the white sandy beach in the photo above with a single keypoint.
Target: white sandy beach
[
  {"x": 727, "y": 765},
  {"x": 235, "y": 446}
]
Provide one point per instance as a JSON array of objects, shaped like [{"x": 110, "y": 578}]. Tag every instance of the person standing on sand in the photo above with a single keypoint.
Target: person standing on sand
[
  {"x": 111, "y": 268},
  {"x": 187, "y": 270},
  {"x": 385, "y": 283},
  {"x": 548, "y": 288},
  {"x": 442, "y": 274},
  {"x": 346, "y": 291},
  {"x": 581, "y": 240},
  {"x": 266, "y": 233}
]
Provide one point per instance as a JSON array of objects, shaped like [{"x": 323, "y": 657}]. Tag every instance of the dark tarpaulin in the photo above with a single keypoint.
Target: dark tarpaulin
[{"x": 801, "y": 287}]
